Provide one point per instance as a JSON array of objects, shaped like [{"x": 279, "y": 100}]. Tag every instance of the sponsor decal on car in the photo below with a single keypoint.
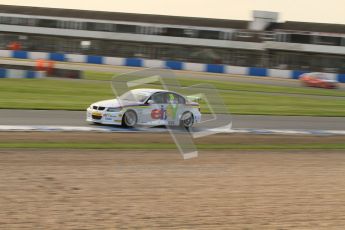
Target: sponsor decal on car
[
  {"x": 96, "y": 114},
  {"x": 156, "y": 114},
  {"x": 111, "y": 115},
  {"x": 159, "y": 114},
  {"x": 172, "y": 111}
]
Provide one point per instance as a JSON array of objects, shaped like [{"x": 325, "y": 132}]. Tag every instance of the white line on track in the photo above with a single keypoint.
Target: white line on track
[{"x": 105, "y": 129}]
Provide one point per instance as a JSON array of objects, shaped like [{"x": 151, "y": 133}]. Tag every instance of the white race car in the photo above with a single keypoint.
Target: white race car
[{"x": 151, "y": 107}]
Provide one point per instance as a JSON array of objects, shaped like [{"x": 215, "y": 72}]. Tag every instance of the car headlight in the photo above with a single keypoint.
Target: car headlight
[{"x": 112, "y": 110}]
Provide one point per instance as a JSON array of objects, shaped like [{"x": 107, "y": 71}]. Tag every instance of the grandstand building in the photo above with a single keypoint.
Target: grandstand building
[{"x": 262, "y": 42}]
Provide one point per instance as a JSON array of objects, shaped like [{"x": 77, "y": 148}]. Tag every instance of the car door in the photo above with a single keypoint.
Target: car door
[
  {"x": 165, "y": 108},
  {"x": 155, "y": 112}
]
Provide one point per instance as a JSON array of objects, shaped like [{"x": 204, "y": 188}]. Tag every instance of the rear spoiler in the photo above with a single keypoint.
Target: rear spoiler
[{"x": 194, "y": 98}]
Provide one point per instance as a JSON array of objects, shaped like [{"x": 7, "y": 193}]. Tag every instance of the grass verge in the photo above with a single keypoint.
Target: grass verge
[
  {"x": 241, "y": 98},
  {"x": 235, "y": 86}
]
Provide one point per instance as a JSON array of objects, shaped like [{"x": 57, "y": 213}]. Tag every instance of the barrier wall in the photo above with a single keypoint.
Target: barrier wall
[
  {"x": 171, "y": 64},
  {"x": 16, "y": 73}
]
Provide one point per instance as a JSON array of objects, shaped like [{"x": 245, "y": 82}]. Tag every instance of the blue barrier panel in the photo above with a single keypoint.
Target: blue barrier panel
[
  {"x": 214, "y": 68},
  {"x": 255, "y": 71},
  {"x": 94, "y": 59},
  {"x": 176, "y": 65},
  {"x": 30, "y": 74},
  {"x": 57, "y": 57},
  {"x": 297, "y": 73},
  {"x": 20, "y": 54},
  {"x": 3, "y": 73},
  {"x": 341, "y": 78},
  {"x": 135, "y": 62}
]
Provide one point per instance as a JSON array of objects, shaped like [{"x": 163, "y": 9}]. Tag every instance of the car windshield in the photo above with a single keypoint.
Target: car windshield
[
  {"x": 135, "y": 96},
  {"x": 323, "y": 77}
]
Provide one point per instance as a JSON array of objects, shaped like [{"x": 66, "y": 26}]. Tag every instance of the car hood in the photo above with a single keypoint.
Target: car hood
[{"x": 115, "y": 103}]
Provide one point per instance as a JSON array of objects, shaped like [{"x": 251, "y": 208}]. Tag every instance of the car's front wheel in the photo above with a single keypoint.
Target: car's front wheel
[{"x": 129, "y": 119}]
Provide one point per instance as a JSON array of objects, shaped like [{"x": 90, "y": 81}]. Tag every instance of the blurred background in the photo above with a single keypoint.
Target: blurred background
[{"x": 263, "y": 41}]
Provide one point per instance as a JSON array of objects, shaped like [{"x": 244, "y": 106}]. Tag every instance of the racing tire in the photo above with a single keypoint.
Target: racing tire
[
  {"x": 129, "y": 119},
  {"x": 187, "y": 120}
]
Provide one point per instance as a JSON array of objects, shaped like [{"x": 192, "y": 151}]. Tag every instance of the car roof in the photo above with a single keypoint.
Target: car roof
[
  {"x": 316, "y": 73},
  {"x": 313, "y": 74},
  {"x": 150, "y": 91}
]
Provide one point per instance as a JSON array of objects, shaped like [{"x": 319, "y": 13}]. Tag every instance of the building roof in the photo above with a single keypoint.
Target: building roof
[
  {"x": 129, "y": 17},
  {"x": 170, "y": 20},
  {"x": 311, "y": 27}
]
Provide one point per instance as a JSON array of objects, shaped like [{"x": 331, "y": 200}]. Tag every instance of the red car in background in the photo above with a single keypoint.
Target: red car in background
[{"x": 320, "y": 80}]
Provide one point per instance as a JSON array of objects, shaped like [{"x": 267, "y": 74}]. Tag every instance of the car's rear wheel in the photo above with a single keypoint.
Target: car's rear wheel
[
  {"x": 187, "y": 120},
  {"x": 129, "y": 119}
]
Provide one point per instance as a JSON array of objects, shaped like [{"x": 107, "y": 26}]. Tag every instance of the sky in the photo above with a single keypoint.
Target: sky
[{"x": 330, "y": 11}]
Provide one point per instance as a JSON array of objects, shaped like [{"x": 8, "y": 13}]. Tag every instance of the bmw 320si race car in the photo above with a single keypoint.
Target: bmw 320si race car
[{"x": 151, "y": 107}]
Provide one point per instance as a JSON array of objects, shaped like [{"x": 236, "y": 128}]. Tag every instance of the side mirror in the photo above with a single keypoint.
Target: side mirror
[{"x": 150, "y": 102}]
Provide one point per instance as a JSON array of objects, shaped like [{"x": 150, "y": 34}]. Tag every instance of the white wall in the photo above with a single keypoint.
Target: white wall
[
  {"x": 305, "y": 47},
  {"x": 76, "y": 58},
  {"x": 153, "y": 63},
  {"x": 38, "y": 55},
  {"x": 16, "y": 73},
  {"x": 114, "y": 61},
  {"x": 5, "y": 53},
  {"x": 237, "y": 70},
  {"x": 194, "y": 66},
  {"x": 279, "y": 73}
]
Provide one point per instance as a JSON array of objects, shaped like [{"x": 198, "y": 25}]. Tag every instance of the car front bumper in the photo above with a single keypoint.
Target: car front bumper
[{"x": 104, "y": 117}]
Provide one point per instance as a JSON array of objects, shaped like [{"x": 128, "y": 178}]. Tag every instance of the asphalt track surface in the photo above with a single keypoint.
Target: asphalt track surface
[{"x": 77, "y": 118}]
